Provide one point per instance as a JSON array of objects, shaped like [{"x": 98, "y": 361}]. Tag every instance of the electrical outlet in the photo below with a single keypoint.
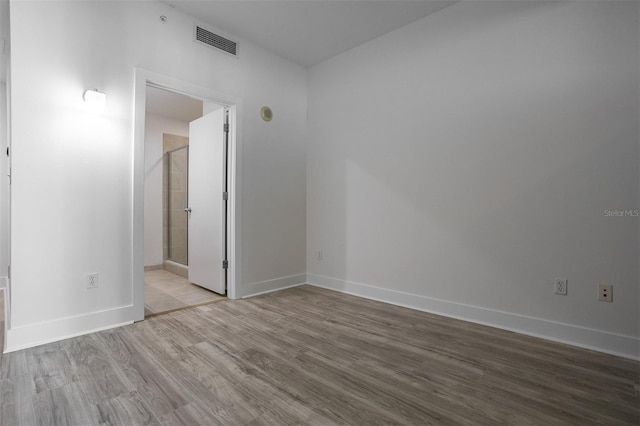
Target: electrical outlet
[
  {"x": 605, "y": 292},
  {"x": 92, "y": 280},
  {"x": 560, "y": 286}
]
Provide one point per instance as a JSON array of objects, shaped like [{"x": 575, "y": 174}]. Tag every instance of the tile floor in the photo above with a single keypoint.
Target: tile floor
[{"x": 164, "y": 292}]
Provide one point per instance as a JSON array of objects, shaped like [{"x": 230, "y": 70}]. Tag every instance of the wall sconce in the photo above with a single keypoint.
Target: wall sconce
[{"x": 95, "y": 100}]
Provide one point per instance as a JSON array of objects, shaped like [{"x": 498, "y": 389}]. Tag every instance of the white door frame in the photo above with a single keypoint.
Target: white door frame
[{"x": 144, "y": 78}]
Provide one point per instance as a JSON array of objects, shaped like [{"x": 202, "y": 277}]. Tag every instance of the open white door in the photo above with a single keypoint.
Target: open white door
[{"x": 206, "y": 204}]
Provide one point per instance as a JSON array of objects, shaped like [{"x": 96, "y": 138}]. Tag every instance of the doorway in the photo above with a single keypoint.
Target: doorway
[{"x": 207, "y": 165}]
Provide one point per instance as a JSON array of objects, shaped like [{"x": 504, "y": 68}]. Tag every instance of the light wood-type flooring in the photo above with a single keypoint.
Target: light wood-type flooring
[
  {"x": 1, "y": 325},
  {"x": 312, "y": 356},
  {"x": 164, "y": 292}
]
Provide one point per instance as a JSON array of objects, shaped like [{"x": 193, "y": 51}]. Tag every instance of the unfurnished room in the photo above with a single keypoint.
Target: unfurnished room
[{"x": 322, "y": 212}]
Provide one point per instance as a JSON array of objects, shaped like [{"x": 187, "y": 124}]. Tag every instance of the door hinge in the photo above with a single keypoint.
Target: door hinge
[
  {"x": 225, "y": 264},
  {"x": 9, "y": 271},
  {"x": 226, "y": 127},
  {"x": 225, "y": 196}
]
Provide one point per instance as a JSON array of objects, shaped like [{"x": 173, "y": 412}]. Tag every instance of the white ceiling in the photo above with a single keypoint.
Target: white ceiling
[
  {"x": 308, "y": 31},
  {"x": 173, "y": 105}
]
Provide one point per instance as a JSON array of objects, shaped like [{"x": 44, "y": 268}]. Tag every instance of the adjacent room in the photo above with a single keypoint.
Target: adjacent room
[
  {"x": 179, "y": 260},
  {"x": 319, "y": 212}
]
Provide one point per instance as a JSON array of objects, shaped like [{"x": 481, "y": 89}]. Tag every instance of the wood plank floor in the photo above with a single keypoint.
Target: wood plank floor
[
  {"x": 312, "y": 356},
  {"x": 164, "y": 292},
  {"x": 2, "y": 325}
]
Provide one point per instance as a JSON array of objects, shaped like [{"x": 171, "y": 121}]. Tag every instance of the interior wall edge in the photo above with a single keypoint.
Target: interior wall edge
[{"x": 586, "y": 338}]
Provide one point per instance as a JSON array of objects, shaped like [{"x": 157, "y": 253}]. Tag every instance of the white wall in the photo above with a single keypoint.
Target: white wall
[
  {"x": 461, "y": 163},
  {"x": 4, "y": 133},
  {"x": 155, "y": 126},
  {"x": 4, "y": 162},
  {"x": 72, "y": 188},
  {"x": 4, "y": 188}
]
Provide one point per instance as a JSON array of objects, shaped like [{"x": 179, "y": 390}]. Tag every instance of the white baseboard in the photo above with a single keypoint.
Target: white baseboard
[
  {"x": 602, "y": 341},
  {"x": 3, "y": 283},
  {"x": 176, "y": 268},
  {"x": 152, "y": 267},
  {"x": 261, "y": 287},
  {"x": 51, "y": 331}
]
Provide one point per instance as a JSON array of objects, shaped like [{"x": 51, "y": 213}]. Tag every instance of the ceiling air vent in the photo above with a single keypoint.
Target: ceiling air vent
[{"x": 216, "y": 41}]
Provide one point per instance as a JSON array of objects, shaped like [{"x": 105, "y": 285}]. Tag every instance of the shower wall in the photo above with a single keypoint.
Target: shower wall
[{"x": 175, "y": 219}]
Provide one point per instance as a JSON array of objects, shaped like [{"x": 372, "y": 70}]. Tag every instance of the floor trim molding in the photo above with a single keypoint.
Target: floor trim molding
[
  {"x": 153, "y": 267},
  {"x": 267, "y": 286},
  {"x": 614, "y": 344},
  {"x": 30, "y": 335},
  {"x": 176, "y": 268}
]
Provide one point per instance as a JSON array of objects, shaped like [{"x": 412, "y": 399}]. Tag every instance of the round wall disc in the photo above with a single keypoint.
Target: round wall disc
[{"x": 266, "y": 113}]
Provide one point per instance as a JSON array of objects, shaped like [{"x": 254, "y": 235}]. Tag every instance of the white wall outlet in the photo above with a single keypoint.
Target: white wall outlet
[
  {"x": 320, "y": 255},
  {"x": 92, "y": 280},
  {"x": 605, "y": 292},
  {"x": 560, "y": 286}
]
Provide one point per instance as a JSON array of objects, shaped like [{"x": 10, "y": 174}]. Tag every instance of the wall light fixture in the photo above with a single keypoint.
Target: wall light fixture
[{"x": 95, "y": 100}]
